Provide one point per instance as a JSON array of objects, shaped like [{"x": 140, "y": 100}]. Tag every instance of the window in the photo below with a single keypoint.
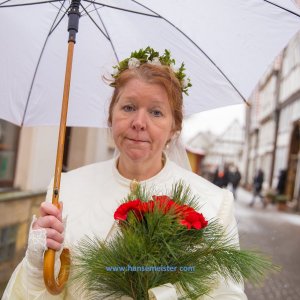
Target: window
[
  {"x": 8, "y": 237},
  {"x": 9, "y": 135}
]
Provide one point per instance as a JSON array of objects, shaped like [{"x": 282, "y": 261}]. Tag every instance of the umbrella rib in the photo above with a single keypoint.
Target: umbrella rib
[
  {"x": 201, "y": 50},
  {"x": 53, "y": 28},
  {"x": 26, "y": 4},
  {"x": 87, "y": 13},
  {"x": 274, "y": 4},
  {"x": 5, "y": 2},
  {"x": 66, "y": 10},
  {"x": 87, "y": 8},
  {"x": 38, "y": 63},
  {"x": 109, "y": 38},
  {"x": 123, "y": 9},
  {"x": 92, "y": 10},
  {"x": 106, "y": 34}
]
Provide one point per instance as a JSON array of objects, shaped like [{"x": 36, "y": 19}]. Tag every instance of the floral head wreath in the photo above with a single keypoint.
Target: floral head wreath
[{"x": 150, "y": 56}]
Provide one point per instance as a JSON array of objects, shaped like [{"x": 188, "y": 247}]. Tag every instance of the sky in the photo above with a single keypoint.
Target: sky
[{"x": 216, "y": 120}]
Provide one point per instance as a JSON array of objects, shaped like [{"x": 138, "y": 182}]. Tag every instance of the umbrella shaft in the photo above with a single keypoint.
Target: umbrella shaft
[
  {"x": 62, "y": 127},
  {"x": 74, "y": 16}
]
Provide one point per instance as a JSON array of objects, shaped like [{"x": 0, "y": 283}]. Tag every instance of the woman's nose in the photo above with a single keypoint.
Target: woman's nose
[{"x": 139, "y": 120}]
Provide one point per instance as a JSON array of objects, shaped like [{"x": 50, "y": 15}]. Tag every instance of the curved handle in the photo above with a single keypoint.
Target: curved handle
[{"x": 53, "y": 285}]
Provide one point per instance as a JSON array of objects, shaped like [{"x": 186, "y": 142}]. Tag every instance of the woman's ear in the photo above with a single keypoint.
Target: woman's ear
[
  {"x": 174, "y": 130},
  {"x": 173, "y": 135}
]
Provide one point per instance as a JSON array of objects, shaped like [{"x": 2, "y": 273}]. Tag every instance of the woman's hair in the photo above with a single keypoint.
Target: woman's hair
[{"x": 153, "y": 74}]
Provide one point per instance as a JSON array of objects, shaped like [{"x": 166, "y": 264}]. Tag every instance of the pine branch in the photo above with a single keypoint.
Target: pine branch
[{"x": 158, "y": 239}]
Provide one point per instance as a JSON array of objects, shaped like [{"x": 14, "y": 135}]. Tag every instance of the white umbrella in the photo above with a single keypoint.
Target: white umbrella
[{"x": 225, "y": 44}]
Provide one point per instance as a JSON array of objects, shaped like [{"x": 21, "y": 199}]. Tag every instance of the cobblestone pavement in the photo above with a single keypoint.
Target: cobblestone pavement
[{"x": 276, "y": 234}]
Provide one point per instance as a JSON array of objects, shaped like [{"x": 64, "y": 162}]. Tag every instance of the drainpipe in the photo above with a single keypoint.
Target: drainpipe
[
  {"x": 276, "y": 115},
  {"x": 246, "y": 148},
  {"x": 297, "y": 182},
  {"x": 276, "y": 118}
]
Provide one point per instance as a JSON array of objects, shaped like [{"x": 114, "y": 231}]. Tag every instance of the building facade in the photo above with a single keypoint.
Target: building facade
[
  {"x": 273, "y": 124},
  {"x": 227, "y": 148},
  {"x": 218, "y": 150},
  {"x": 27, "y": 155}
]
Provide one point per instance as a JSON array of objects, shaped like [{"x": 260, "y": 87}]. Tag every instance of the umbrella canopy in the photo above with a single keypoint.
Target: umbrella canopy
[{"x": 226, "y": 46}]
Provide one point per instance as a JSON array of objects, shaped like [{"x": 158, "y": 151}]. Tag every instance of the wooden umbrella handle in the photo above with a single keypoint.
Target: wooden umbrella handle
[{"x": 55, "y": 286}]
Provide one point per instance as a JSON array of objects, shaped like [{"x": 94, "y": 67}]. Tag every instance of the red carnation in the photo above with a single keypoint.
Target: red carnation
[
  {"x": 164, "y": 203},
  {"x": 122, "y": 211},
  {"x": 148, "y": 206},
  {"x": 187, "y": 215},
  {"x": 184, "y": 210},
  {"x": 194, "y": 219}
]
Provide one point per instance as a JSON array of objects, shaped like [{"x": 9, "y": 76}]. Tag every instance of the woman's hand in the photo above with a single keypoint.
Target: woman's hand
[{"x": 51, "y": 220}]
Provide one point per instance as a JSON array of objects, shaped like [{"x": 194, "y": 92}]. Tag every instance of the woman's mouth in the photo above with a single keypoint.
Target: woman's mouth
[{"x": 137, "y": 140}]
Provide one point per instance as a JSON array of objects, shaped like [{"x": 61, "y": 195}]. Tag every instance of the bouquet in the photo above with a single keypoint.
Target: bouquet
[{"x": 159, "y": 240}]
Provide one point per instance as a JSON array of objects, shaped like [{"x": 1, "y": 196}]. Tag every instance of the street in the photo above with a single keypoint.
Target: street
[{"x": 276, "y": 234}]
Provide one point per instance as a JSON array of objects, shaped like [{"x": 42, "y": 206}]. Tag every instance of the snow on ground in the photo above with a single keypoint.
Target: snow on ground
[{"x": 270, "y": 213}]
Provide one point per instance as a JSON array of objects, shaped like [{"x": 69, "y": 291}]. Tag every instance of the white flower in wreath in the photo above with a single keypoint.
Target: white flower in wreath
[
  {"x": 173, "y": 68},
  {"x": 155, "y": 61},
  {"x": 115, "y": 72},
  {"x": 184, "y": 82},
  {"x": 133, "y": 63}
]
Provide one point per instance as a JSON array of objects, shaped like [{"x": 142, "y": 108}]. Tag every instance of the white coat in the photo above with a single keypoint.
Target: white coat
[{"x": 90, "y": 195}]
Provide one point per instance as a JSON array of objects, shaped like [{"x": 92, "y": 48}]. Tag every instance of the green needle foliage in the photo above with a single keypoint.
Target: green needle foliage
[{"x": 157, "y": 239}]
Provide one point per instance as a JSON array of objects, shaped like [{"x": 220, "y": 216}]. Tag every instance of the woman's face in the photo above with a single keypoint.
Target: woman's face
[{"x": 142, "y": 121}]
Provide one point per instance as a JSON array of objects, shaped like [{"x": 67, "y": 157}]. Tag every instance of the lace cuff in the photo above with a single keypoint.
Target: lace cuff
[{"x": 37, "y": 245}]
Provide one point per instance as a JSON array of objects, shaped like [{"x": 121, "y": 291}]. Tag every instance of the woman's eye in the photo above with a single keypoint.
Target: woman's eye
[
  {"x": 128, "y": 108},
  {"x": 156, "y": 113}
]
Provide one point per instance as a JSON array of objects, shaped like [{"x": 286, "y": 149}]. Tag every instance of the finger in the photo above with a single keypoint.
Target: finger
[
  {"x": 54, "y": 235},
  {"x": 47, "y": 208},
  {"x": 50, "y": 222},
  {"x": 51, "y": 244}
]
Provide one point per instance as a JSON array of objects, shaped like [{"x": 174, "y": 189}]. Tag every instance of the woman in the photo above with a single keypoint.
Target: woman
[{"x": 145, "y": 116}]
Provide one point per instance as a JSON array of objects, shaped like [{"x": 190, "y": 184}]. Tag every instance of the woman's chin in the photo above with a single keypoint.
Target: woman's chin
[{"x": 135, "y": 155}]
